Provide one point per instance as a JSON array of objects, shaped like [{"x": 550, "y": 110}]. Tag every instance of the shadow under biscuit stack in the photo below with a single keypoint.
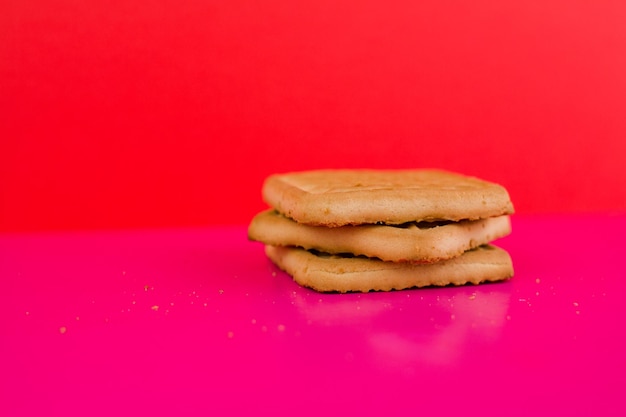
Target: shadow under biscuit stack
[{"x": 381, "y": 230}]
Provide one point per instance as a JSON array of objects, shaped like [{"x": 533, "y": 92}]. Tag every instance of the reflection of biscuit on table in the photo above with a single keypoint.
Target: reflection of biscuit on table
[
  {"x": 480, "y": 317},
  {"x": 434, "y": 329},
  {"x": 362, "y": 230}
]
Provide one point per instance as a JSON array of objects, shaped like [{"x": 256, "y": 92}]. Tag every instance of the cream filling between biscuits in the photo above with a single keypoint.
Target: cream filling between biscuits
[{"x": 419, "y": 225}]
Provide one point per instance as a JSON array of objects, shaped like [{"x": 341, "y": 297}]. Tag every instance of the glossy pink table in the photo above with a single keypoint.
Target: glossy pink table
[{"x": 199, "y": 321}]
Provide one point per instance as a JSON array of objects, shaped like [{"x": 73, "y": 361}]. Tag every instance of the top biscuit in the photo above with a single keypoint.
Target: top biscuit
[{"x": 351, "y": 197}]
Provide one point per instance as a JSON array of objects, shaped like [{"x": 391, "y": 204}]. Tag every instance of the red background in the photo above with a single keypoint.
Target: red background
[{"x": 117, "y": 114}]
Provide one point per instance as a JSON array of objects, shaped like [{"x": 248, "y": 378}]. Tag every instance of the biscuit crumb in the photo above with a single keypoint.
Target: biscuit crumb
[
  {"x": 473, "y": 296},
  {"x": 62, "y": 329},
  {"x": 281, "y": 327},
  {"x": 537, "y": 281},
  {"x": 154, "y": 308},
  {"x": 230, "y": 334}
]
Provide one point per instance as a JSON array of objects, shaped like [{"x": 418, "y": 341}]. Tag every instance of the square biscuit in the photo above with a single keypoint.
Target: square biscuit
[
  {"x": 335, "y": 198},
  {"x": 424, "y": 242},
  {"x": 326, "y": 273}
]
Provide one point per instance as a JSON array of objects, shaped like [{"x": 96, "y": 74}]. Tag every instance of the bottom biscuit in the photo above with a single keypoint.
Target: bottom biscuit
[{"x": 327, "y": 273}]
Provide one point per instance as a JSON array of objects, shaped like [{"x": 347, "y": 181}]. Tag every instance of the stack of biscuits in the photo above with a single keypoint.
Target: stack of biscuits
[{"x": 381, "y": 230}]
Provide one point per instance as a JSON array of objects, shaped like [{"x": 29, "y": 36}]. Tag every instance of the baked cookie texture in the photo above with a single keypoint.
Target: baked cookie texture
[
  {"x": 326, "y": 273},
  {"x": 340, "y": 197},
  {"x": 381, "y": 230},
  {"x": 416, "y": 242}
]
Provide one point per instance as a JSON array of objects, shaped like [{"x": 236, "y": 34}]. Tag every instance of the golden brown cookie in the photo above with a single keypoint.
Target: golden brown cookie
[
  {"x": 350, "y": 197},
  {"x": 326, "y": 273},
  {"x": 413, "y": 242}
]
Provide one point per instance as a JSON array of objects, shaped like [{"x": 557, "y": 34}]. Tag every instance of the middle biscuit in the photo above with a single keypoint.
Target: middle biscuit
[{"x": 420, "y": 242}]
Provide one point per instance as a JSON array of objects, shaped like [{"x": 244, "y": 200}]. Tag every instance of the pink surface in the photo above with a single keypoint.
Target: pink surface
[{"x": 171, "y": 322}]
